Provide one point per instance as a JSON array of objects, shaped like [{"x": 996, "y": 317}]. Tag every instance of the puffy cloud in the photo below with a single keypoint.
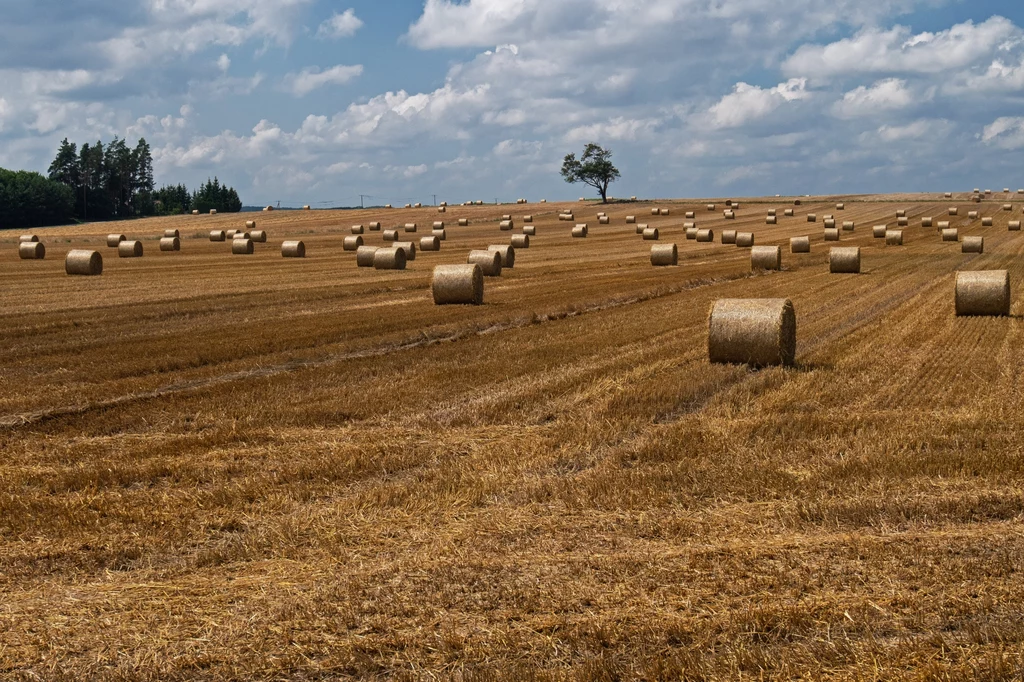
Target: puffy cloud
[
  {"x": 342, "y": 25},
  {"x": 749, "y": 103},
  {"x": 876, "y": 99},
  {"x": 1006, "y": 132},
  {"x": 309, "y": 79}
]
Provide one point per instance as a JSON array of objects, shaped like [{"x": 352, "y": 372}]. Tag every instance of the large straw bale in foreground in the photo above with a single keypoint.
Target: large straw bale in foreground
[
  {"x": 951, "y": 234},
  {"x": 664, "y": 255},
  {"x": 242, "y": 247},
  {"x": 844, "y": 259},
  {"x": 986, "y": 292},
  {"x": 458, "y": 284},
  {"x": 744, "y": 240},
  {"x": 489, "y": 262},
  {"x": 757, "y": 332},
  {"x": 431, "y": 243},
  {"x": 507, "y": 253},
  {"x": 409, "y": 248},
  {"x": 31, "y": 251},
  {"x": 364, "y": 256},
  {"x": 973, "y": 245},
  {"x": 83, "y": 262},
  {"x": 766, "y": 258},
  {"x": 352, "y": 243},
  {"x": 894, "y": 237}
]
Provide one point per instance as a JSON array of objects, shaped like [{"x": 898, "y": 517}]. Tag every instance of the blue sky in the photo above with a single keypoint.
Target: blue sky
[{"x": 315, "y": 101}]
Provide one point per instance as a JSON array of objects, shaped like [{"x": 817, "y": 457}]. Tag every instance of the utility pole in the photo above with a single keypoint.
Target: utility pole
[
  {"x": 361, "y": 196},
  {"x": 435, "y": 200}
]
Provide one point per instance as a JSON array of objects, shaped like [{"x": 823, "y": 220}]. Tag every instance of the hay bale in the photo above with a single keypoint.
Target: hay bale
[
  {"x": 601, "y": 214},
  {"x": 878, "y": 231},
  {"x": 766, "y": 258},
  {"x": 942, "y": 225},
  {"x": 295, "y": 249},
  {"x": 579, "y": 232},
  {"x": 840, "y": 207},
  {"x": 507, "y": 253},
  {"x": 443, "y": 204},
  {"x": 849, "y": 225},
  {"x": 651, "y": 234},
  {"x": 390, "y": 235},
  {"x": 986, "y": 222},
  {"x": 250, "y": 224},
  {"x": 797, "y": 202},
  {"x": 951, "y": 234},
  {"x": 410, "y": 227},
  {"x": 948, "y": 195},
  {"x": 463, "y": 222},
  {"x": 170, "y": 244},
  {"x": 217, "y": 235},
  {"x": 242, "y": 247},
  {"x": 442, "y": 209},
  {"x": 901, "y": 213},
  {"x": 356, "y": 229},
  {"x": 663, "y": 255},
  {"x": 772, "y": 212},
  {"x": 520, "y": 241},
  {"x": 691, "y": 233},
  {"x": 271, "y": 208},
  {"x": 789, "y": 213},
  {"x": 604, "y": 220},
  {"x": 705, "y": 236},
  {"x": 440, "y": 234},
  {"x": 387, "y": 206},
  {"x": 389, "y": 258},
  {"x": 1013, "y": 226},
  {"x": 1008, "y": 207},
  {"x": 438, "y": 225},
  {"x": 409, "y": 248},
  {"x": 655, "y": 211},
  {"x": 972, "y": 215},
  {"x": 631, "y": 220},
  {"x": 508, "y": 217},
  {"x": 829, "y": 217},
  {"x": 771, "y": 220},
  {"x": 903, "y": 222},
  {"x": 196, "y": 211},
  {"x": 756, "y": 332},
  {"x": 431, "y": 243},
  {"x": 527, "y": 218},
  {"x": 458, "y": 284},
  {"x": 31, "y": 251},
  {"x": 711, "y": 207},
  {"x": 241, "y": 235},
  {"x": 728, "y": 202},
  {"x": 985, "y": 292},
  {"x": 306, "y": 207},
  {"x": 926, "y": 222},
  {"x": 231, "y": 234},
  {"x": 213, "y": 211},
  {"x": 844, "y": 259},
  {"x": 811, "y": 218},
  {"x": 259, "y": 236},
  {"x": 894, "y": 237},
  {"x": 830, "y": 223},
  {"x": 506, "y": 225},
  {"x": 530, "y": 229},
  {"x": 364, "y": 256},
  {"x": 353, "y": 243},
  {"x": 28, "y": 238},
  {"x": 729, "y": 215},
  {"x": 728, "y": 236},
  {"x": 172, "y": 233},
  {"x": 665, "y": 211},
  {"x": 953, "y": 210},
  {"x": 489, "y": 262},
  {"x": 800, "y": 244},
  {"x": 690, "y": 215},
  {"x": 83, "y": 262},
  {"x": 973, "y": 245},
  {"x": 745, "y": 240},
  {"x": 114, "y": 239},
  {"x": 831, "y": 235},
  {"x": 374, "y": 227}
]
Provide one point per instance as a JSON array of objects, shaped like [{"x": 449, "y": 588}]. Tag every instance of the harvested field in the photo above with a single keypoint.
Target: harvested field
[{"x": 258, "y": 467}]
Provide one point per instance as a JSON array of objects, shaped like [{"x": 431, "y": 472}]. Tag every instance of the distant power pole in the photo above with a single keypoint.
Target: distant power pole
[
  {"x": 435, "y": 200},
  {"x": 361, "y": 196}
]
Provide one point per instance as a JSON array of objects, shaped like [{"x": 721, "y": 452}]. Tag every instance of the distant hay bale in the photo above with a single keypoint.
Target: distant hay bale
[
  {"x": 390, "y": 235},
  {"x": 28, "y": 238},
  {"x": 796, "y": 202},
  {"x": 241, "y": 235},
  {"x": 631, "y": 220},
  {"x": 878, "y": 231},
  {"x": 438, "y": 225},
  {"x": 811, "y": 218},
  {"x": 506, "y": 225},
  {"x": 410, "y": 227},
  {"x": 507, "y": 253},
  {"x": 840, "y": 207},
  {"x": 772, "y": 212},
  {"x": 114, "y": 239},
  {"x": 83, "y": 262},
  {"x": 458, "y": 284},
  {"x": 986, "y": 222},
  {"x": 1013, "y": 226},
  {"x": 242, "y": 247},
  {"x": 543, "y": 201},
  {"x": 755, "y": 332},
  {"x": 948, "y": 195},
  {"x": 831, "y": 235},
  {"x": 771, "y": 220},
  {"x": 170, "y": 244},
  {"x": 690, "y": 215},
  {"x": 387, "y": 206},
  {"x": 306, "y": 207},
  {"x": 903, "y": 222},
  {"x": 844, "y": 259},
  {"x": 508, "y": 217},
  {"x": 520, "y": 241},
  {"x": 729, "y": 215},
  {"x": 601, "y": 214},
  {"x": 441, "y": 234},
  {"x": 953, "y": 210},
  {"x": 431, "y": 243},
  {"x": 463, "y": 222},
  {"x": 1008, "y": 207},
  {"x": 789, "y": 213},
  {"x": 664, "y": 255},
  {"x": 417, "y": 205},
  {"x": 566, "y": 217},
  {"x": 364, "y": 256},
  {"x": 374, "y": 227},
  {"x": 901, "y": 213},
  {"x": 691, "y": 233},
  {"x": 728, "y": 202},
  {"x": 711, "y": 207},
  {"x": 353, "y": 243},
  {"x": 766, "y": 258},
  {"x": 942, "y": 225},
  {"x": 213, "y": 211},
  {"x": 705, "y": 236},
  {"x": 651, "y": 234},
  {"x": 217, "y": 235},
  {"x": 604, "y": 220},
  {"x": 744, "y": 240},
  {"x": 665, "y": 211},
  {"x": 196, "y": 211},
  {"x": 984, "y": 292},
  {"x": 951, "y": 234},
  {"x": 800, "y": 244},
  {"x": 389, "y": 258},
  {"x": 632, "y": 198},
  {"x": 172, "y": 233},
  {"x": 988, "y": 192},
  {"x": 976, "y": 199},
  {"x": 728, "y": 236},
  {"x": 830, "y": 223},
  {"x": 356, "y": 229},
  {"x": 530, "y": 230},
  {"x": 409, "y": 248},
  {"x": 926, "y": 222},
  {"x": 230, "y": 234},
  {"x": 655, "y": 211},
  {"x": 489, "y": 262},
  {"x": 258, "y": 236},
  {"x": 972, "y": 245},
  {"x": 972, "y": 215},
  {"x": 271, "y": 208},
  {"x": 527, "y": 218},
  {"x": 31, "y": 251},
  {"x": 894, "y": 237},
  {"x": 443, "y": 204},
  {"x": 829, "y": 217},
  {"x": 442, "y": 209},
  {"x": 295, "y": 249},
  {"x": 849, "y": 225},
  {"x": 249, "y": 225},
  {"x": 408, "y": 206},
  {"x": 579, "y": 232}
]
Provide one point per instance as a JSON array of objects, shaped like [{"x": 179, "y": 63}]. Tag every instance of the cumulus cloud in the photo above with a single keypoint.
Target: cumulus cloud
[
  {"x": 1006, "y": 132},
  {"x": 877, "y": 99},
  {"x": 342, "y": 25},
  {"x": 312, "y": 78},
  {"x": 749, "y": 103}
]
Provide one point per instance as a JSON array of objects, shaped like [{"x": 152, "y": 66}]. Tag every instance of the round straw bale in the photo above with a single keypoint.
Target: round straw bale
[
  {"x": 942, "y": 225},
  {"x": 430, "y": 243},
  {"x": 926, "y": 222},
  {"x": 417, "y": 205},
  {"x": 520, "y": 241},
  {"x": 830, "y": 223},
  {"x": 1014, "y": 226},
  {"x": 986, "y": 222},
  {"x": 766, "y": 258},
  {"x": 849, "y": 225},
  {"x": 441, "y": 234},
  {"x": 797, "y": 202},
  {"x": 390, "y": 235},
  {"x": 690, "y": 215},
  {"x": 601, "y": 214},
  {"x": 901, "y": 213},
  {"x": 664, "y": 255},
  {"x": 508, "y": 217},
  {"x": 711, "y": 207},
  {"x": 295, "y": 249},
  {"x": 728, "y": 236},
  {"x": 28, "y": 238},
  {"x": 114, "y": 239},
  {"x": 828, "y": 217},
  {"x": 259, "y": 236},
  {"x": 973, "y": 245},
  {"x": 374, "y": 227},
  {"x": 604, "y": 220},
  {"x": 729, "y": 215},
  {"x": 878, "y": 231},
  {"x": 506, "y": 225},
  {"x": 489, "y": 262},
  {"x": 389, "y": 258},
  {"x": 530, "y": 229},
  {"x": 728, "y": 202},
  {"x": 580, "y": 232},
  {"x": 306, "y": 207},
  {"x": 665, "y": 211},
  {"x": 83, "y": 262},
  {"x": 772, "y": 212},
  {"x": 976, "y": 199},
  {"x": 250, "y": 224},
  {"x": 387, "y": 206},
  {"x": 894, "y": 237},
  {"x": 651, "y": 234},
  {"x": 655, "y": 211},
  {"x": 951, "y": 234},
  {"x": 438, "y": 225},
  {"x": 844, "y": 259},
  {"x": 410, "y": 227},
  {"x": 31, "y": 251},
  {"x": 353, "y": 243},
  {"x": 507, "y": 252},
  {"x": 744, "y": 240},
  {"x": 706, "y": 236},
  {"x": 409, "y": 248},
  {"x": 217, "y": 235},
  {"x": 811, "y": 218},
  {"x": 831, "y": 235},
  {"x": 527, "y": 218},
  {"x": 356, "y": 229},
  {"x": 458, "y": 284},
  {"x": 443, "y": 204},
  {"x": 172, "y": 233},
  {"x": 903, "y": 222},
  {"x": 364, "y": 256},
  {"x": 442, "y": 209},
  {"x": 242, "y": 247},
  {"x": 789, "y": 213},
  {"x": 213, "y": 211},
  {"x": 800, "y": 244},
  {"x": 953, "y": 210},
  {"x": 242, "y": 235},
  {"x": 840, "y": 207},
  {"x": 631, "y": 220},
  {"x": 756, "y": 332},
  {"x": 972, "y": 215},
  {"x": 170, "y": 244},
  {"x": 691, "y": 233},
  {"x": 985, "y": 292},
  {"x": 948, "y": 195},
  {"x": 463, "y": 222},
  {"x": 230, "y": 234},
  {"x": 196, "y": 211},
  {"x": 771, "y": 220},
  {"x": 689, "y": 225}
]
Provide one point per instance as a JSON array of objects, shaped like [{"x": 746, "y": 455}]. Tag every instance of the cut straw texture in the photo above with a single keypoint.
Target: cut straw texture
[
  {"x": 756, "y": 332},
  {"x": 985, "y": 292}
]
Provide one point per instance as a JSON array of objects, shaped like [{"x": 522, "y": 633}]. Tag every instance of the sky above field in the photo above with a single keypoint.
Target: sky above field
[{"x": 316, "y": 101}]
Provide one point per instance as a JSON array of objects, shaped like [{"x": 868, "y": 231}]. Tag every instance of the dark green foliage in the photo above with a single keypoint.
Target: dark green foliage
[
  {"x": 594, "y": 168},
  {"x": 30, "y": 200}
]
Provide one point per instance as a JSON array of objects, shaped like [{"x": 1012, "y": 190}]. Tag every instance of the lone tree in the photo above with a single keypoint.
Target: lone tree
[{"x": 594, "y": 168}]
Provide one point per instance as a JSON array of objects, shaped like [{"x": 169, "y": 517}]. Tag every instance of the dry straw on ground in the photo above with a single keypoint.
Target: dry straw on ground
[
  {"x": 83, "y": 262},
  {"x": 844, "y": 259},
  {"x": 756, "y": 332},
  {"x": 458, "y": 284},
  {"x": 984, "y": 292}
]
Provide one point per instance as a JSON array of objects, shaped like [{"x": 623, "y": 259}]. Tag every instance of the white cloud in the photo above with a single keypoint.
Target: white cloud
[
  {"x": 878, "y": 99},
  {"x": 749, "y": 103},
  {"x": 223, "y": 63},
  {"x": 311, "y": 78},
  {"x": 931, "y": 129},
  {"x": 1006, "y": 132},
  {"x": 342, "y": 25}
]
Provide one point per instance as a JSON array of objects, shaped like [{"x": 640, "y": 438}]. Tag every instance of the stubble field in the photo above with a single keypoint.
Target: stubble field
[{"x": 250, "y": 467}]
